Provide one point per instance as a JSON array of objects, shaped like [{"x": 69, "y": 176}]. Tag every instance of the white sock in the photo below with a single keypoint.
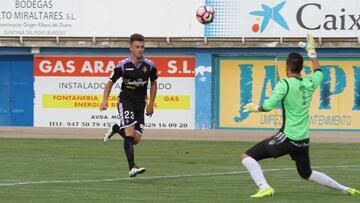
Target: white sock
[
  {"x": 256, "y": 172},
  {"x": 325, "y": 180}
]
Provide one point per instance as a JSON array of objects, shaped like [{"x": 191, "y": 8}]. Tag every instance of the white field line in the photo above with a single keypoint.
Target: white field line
[{"x": 160, "y": 177}]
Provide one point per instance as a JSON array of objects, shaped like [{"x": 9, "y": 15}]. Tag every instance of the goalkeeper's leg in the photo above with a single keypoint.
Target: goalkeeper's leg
[
  {"x": 304, "y": 170},
  {"x": 250, "y": 160}
]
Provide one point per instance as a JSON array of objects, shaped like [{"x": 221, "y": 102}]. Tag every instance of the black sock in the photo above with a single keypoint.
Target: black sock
[
  {"x": 129, "y": 151},
  {"x": 122, "y": 133},
  {"x": 116, "y": 129}
]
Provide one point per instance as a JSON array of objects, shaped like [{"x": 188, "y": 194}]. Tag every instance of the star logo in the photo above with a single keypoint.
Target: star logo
[{"x": 268, "y": 14}]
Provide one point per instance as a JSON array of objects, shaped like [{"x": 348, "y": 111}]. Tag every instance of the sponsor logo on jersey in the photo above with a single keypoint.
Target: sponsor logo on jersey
[{"x": 137, "y": 83}]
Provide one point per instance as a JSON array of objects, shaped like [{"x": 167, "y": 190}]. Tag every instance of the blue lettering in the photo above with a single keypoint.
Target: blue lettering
[
  {"x": 325, "y": 86},
  {"x": 356, "y": 88},
  {"x": 246, "y": 81}
]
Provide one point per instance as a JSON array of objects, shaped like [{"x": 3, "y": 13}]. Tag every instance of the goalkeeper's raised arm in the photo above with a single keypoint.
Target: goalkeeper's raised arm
[
  {"x": 310, "y": 48},
  {"x": 294, "y": 67}
]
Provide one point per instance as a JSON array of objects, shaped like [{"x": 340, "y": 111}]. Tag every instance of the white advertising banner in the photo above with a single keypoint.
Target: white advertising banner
[
  {"x": 99, "y": 18},
  {"x": 176, "y": 18},
  {"x": 68, "y": 92}
]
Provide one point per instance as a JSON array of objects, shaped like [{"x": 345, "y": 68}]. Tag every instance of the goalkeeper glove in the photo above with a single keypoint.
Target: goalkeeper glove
[
  {"x": 309, "y": 46},
  {"x": 250, "y": 107}
]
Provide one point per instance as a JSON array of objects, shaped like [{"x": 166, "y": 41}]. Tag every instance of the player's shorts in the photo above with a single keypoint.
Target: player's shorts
[
  {"x": 131, "y": 113},
  {"x": 279, "y": 145}
]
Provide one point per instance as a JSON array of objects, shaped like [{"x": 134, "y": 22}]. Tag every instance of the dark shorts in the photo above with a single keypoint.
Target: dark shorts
[
  {"x": 277, "y": 146},
  {"x": 280, "y": 145},
  {"x": 131, "y": 113}
]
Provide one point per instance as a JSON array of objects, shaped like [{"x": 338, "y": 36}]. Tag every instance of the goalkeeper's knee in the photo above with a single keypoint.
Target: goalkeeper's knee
[{"x": 305, "y": 173}]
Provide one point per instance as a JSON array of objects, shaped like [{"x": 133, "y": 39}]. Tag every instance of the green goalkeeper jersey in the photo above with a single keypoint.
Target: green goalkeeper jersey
[{"x": 295, "y": 95}]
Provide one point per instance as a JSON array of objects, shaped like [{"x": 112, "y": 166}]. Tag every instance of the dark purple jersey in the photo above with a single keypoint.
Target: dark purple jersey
[{"x": 135, "y": 78}]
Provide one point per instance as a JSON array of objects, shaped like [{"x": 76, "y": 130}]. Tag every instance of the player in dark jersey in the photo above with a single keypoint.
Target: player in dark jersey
[
  {"x": 295, "y": 93},
  {"x": 135, "y": 72}
]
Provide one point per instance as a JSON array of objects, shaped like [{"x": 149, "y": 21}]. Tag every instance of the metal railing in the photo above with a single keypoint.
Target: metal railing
[{"x": 174, "y": 42}]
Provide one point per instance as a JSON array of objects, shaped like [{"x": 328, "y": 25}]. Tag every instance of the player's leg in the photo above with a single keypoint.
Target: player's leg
[
  {"x": 133, "y": 137},
  {"x": 127, "y": 125},
  {"x": 272, "y": 147},
  {"x": 257, "y": 176},
  {"x": 129, "y": 145},
  {"x": 250, "y": 160},
  {"x": 138, "y": 131},
  {"x": 300, "y": 154},
  {"x": 325, "y": 180},
  {"x": 114, "y": 127},
  {"x": 304, "y": 169}
]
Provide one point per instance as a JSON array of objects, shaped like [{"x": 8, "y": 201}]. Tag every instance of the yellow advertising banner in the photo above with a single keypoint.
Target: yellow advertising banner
[
  {"x": 335, "y": 104},
  {"x": 172, "y": 102}
]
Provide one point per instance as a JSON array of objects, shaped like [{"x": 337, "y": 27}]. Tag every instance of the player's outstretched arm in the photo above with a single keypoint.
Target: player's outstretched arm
[
  {"x": 278, "y": 93},
  {"x": 315, "y": 64},
  {"x": 150, "y": 105},
  {"x": 105, "y": 104},
  {"x": 310, "y": 48},
  {"x": 250, "y": 107}
]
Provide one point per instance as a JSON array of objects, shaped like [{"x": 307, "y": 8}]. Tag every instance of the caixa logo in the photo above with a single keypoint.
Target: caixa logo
[
  {"x": 331, "y": 21},
  {"x": 266, "y": 14},
  {"x": 309, "y": 16}
]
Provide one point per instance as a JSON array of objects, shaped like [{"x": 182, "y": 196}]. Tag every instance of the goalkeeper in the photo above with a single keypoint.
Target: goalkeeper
[{"x": 295, "y": 94}]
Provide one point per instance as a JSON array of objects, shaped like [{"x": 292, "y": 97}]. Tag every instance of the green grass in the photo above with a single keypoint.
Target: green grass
[{"x": 31, "y": 160}]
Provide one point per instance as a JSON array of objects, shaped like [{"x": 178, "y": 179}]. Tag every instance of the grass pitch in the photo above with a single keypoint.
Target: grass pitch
[{"x": 58, "y": 170}]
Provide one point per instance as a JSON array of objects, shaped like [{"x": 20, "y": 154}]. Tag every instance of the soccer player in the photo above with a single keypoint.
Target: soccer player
[
  {"x": 135, "y": 72},
  {"x": 295, "y": 94}
]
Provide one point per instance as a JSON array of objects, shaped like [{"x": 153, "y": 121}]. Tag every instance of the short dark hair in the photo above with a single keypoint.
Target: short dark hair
[
  {"x": 295, "y": 61},
  {"x": 137, "y": 37}
]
